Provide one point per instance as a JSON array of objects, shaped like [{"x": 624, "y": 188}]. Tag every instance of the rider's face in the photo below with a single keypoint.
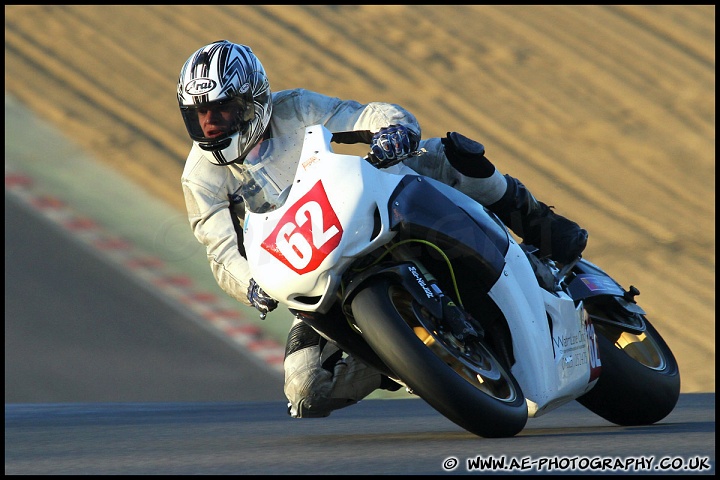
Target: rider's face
[{"x": 217, "y": 120}]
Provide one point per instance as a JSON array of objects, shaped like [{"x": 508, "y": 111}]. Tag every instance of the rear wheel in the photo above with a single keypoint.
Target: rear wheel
[
  {"x": 639, "y": 382},
  {"x": 462, "y": 380}
]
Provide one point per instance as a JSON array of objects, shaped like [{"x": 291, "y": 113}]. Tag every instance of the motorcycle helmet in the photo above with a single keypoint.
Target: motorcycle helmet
[{"x": 225, "y": 101}]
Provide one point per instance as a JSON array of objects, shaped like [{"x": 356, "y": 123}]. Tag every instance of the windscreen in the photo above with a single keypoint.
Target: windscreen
[{"x": 267, "y": 173}]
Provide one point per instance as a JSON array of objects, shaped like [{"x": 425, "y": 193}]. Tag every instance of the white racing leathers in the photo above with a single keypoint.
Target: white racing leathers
[{"x": 209, "y": 188}]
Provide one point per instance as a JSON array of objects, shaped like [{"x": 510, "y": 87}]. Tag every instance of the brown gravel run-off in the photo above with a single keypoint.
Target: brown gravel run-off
[{"x": 605, "y": 112}]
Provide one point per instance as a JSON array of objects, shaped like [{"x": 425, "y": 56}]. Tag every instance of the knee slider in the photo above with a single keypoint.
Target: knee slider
[{"x": 467, "y": 156}]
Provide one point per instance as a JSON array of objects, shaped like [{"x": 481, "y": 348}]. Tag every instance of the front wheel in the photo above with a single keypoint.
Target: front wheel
[
  {"x": 462, "y": 380},
  {"x": 639, "y": 382}
]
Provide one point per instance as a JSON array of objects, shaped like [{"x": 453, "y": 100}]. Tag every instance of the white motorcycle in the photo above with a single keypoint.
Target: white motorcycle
[{"x": 429, "y": 287}]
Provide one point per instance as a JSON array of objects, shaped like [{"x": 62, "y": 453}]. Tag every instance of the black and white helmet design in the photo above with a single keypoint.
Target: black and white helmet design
[{"x": 229, "y": 78}]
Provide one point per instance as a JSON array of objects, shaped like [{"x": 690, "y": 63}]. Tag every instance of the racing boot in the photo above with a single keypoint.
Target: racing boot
[{"x": 555, "y": 236}]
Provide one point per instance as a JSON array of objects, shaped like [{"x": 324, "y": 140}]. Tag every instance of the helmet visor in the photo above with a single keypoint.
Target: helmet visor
[{"x": 213, "y": 122}]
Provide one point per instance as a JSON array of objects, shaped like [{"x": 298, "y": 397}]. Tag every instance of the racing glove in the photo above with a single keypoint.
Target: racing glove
[
  {"x": 393, "y": 144},
  {"x": 259, "y": 299}
]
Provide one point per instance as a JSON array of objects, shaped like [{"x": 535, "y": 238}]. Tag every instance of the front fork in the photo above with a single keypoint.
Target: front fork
[{"x": 452, "y": 315}]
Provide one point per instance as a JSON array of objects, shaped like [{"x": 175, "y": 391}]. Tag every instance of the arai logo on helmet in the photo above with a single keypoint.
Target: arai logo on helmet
[{"x": 200, "y": 86}]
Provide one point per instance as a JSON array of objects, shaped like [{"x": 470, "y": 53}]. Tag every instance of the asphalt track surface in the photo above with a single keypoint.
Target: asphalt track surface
[
  {"x": 77, "y": 328},
  {"x": 373, "y": 437}
]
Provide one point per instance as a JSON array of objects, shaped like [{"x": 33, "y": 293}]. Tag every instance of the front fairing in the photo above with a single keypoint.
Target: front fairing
[{"x": 310, "y": 214}]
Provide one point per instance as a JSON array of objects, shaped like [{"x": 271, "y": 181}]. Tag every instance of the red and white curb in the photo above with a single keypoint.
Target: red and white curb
[{"x": 218, "y": 312}]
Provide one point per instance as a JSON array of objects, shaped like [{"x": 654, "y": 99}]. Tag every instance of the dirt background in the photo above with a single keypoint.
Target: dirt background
[{"x": 606, "y": 112}]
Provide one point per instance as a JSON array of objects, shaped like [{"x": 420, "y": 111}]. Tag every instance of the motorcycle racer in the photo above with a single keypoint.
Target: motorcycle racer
[{"x": 228, "y": 108}]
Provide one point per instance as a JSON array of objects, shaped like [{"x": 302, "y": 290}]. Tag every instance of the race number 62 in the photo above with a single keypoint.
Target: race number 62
[{"x": 307, "y": 233}]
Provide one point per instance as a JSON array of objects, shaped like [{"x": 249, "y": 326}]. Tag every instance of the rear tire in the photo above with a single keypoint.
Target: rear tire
[
  {"x": 472, "y": 389},
  {"x": 639, "y": 382}
]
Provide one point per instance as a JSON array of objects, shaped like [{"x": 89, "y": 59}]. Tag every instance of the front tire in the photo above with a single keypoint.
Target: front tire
[
  {"x": 468, "y": 386},
  {"x": 639, "y": 382}
]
